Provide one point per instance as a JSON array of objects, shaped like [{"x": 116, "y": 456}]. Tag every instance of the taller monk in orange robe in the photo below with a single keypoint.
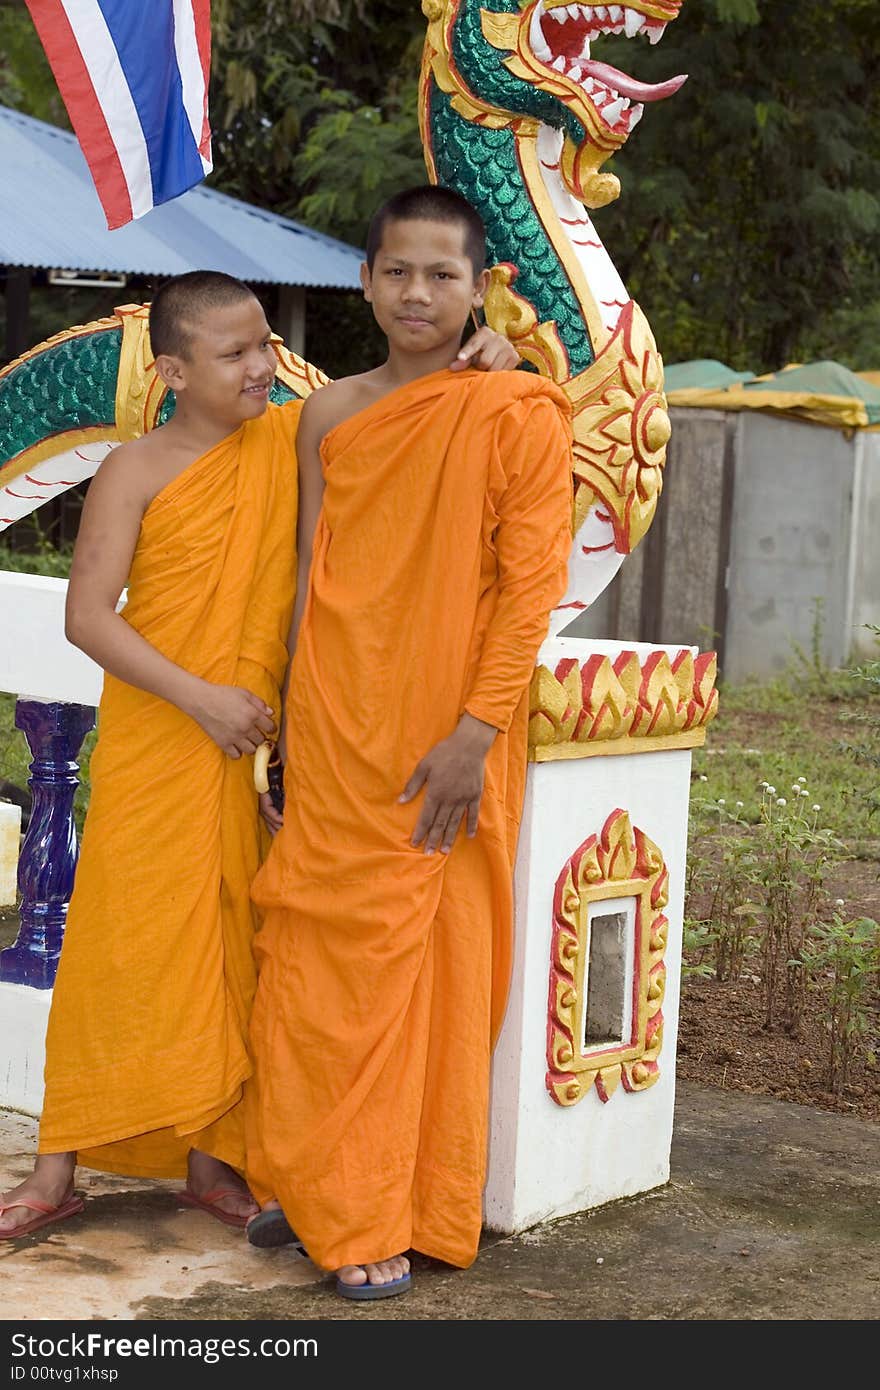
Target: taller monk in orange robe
[
  {"x": 443, "y": 529},
  {"x": 146, "y": 1050}
]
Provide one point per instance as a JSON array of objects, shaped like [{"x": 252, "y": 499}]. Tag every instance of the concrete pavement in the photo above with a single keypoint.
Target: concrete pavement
[{"x": 772, "y": 1213}]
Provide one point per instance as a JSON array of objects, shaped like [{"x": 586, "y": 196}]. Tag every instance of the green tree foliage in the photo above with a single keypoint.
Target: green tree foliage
[
  {"x": 748, "y": 225},
  {"x": 749, "y": 222},
  {"x": 315, "y": 106},
  {"x": 26, "y": 80}
]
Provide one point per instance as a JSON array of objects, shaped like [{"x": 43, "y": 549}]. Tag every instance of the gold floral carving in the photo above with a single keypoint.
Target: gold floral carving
[
  {"x": 621, "y": 706},
  {"x": 140, "y": 390},
  {"x": 512, "y": 314},
  {"x": 621, "y": 428},
  {"x": 621, "y": 862}
]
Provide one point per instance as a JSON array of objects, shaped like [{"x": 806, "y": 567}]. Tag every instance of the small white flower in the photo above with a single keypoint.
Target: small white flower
[
  {"x": 839, "y": 902},
  {"x": 765, "y": 785},
  {"x": 739, "y": 805},
  {"x": 781, "y": 801},
  {"x": 796, "y": 788},
  {"x": 771, "y": 791},
  {"x": 721, "y": 801},
  {"x": 703, "y": 777},
  {"x": 802, "y": 779},
  {"x": 816, "y": 806}
]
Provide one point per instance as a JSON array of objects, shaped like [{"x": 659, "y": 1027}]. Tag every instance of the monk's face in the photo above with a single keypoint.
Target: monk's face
[
  {"x": 228, "y": 366},
  {"x": 422, "y": 286}
]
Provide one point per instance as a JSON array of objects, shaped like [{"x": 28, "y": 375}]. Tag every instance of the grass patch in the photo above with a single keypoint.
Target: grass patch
[{"x": 48, "y": 560}]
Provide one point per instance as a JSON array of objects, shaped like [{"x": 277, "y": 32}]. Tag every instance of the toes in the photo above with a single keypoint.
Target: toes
[{"x": 381, "y": 1272}]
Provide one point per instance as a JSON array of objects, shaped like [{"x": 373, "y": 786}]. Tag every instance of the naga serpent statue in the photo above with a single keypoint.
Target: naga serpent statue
[{"x": 518, "y": 117}]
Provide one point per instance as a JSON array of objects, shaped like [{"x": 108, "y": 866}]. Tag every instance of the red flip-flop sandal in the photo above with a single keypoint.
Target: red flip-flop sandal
[
  {"x": 209, "y": 1203},
  {"x": 46, "y": 1214}
]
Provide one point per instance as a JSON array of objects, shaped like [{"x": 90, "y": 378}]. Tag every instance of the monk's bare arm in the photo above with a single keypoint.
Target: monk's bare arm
[{"x": 111, "y": 518}]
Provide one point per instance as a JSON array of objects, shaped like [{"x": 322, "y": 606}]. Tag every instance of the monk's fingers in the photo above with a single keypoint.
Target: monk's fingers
[
  {"x": 246, "y": 744},
  {"x": 452, "y": 825},
  {"x": 258, "y": 704},
  {"x": 488, "y": 351},
  {"x": 423, "y": 824},
  {"x": 473, "y": 816},
  {"x": 266, "y": 725},
  {"x": 438, "y": 827},
  {"x": 415, "y": 783},
  {"x": 434, "y": 809},
  {"x": 270, "y": 815}
]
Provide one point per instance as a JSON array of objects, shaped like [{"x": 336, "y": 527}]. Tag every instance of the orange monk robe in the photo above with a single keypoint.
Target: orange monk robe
[
  {"x": 146, "y": 1051},
  {"x": 440, "y": 550}
]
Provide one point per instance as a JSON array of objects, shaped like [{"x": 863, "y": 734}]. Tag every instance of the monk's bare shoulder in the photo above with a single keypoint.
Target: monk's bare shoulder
[
  {"x": 125, "y": 473},
  {"x": 330, "y": 405}
]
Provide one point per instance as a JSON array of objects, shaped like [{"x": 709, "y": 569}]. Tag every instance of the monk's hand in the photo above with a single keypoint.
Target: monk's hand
[
  {"x": 452, "y": 775},
  {"x": 236, "y": 719},
  {"x": 488, "y": 351},
  {"x": 273, "y": 818}
]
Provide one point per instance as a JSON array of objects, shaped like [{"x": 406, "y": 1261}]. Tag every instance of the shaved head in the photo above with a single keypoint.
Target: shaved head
[
  {"x": 431, "y": 203},
  {"x": 180, "y": 303}
]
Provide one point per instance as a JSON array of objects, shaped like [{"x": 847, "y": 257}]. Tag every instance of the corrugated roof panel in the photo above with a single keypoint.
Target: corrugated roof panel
[{"x": 50, "y": 216}]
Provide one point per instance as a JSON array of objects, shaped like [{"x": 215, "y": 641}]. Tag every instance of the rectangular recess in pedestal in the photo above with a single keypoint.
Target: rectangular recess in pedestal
[{"x": 608, "y": 974}]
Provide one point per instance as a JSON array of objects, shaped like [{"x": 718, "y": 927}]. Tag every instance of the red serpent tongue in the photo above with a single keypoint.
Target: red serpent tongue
[{"x": 629, "y": 86}]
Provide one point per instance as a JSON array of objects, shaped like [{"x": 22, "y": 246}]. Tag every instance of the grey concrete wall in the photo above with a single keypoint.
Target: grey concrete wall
[
  {"x": 790, "y": 538},
  {"x": 865, "y": 568},
  {"x": 804, "y": 525},
  {"x": 692, "y": 494}
]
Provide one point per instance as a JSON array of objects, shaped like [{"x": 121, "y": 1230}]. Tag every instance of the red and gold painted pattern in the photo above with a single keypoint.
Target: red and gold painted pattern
[
  {"x": 600, "y": 706},
  {"x": 620, "y": 862}
]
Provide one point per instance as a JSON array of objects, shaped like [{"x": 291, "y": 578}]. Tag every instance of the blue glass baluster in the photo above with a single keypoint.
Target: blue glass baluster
[{"x": 49, "y": 853}]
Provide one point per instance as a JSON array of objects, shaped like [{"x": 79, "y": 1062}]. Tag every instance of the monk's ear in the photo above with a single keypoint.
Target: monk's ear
[
  {"x": 481, "y": 285},
  {"x": 366, "y": 283},
  {"x": 171, "y": 370}
]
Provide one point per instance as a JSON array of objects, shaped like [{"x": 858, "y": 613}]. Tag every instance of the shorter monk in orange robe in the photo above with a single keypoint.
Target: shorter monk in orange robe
[
  {"x": 434, "y": 533},
  {"x": 147, "y": 1050}
]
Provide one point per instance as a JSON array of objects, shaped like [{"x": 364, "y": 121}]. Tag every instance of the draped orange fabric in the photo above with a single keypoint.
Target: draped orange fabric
[
  {"x": 146, "y": 1050},
  {"x": 439, "y": 552}
]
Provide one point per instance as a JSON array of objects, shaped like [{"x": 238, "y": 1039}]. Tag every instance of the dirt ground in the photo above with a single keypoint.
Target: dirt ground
[{"x": 722, "y": 1039}]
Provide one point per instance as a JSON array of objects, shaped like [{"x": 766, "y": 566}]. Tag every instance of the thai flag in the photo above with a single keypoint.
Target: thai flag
[{"x": 133, "y": 75}]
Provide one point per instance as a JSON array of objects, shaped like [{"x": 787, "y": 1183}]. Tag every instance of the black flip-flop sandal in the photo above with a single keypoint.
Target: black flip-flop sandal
[
  {"x": 362, "y": 1292},
  {"x": 271, "y": 1228}
]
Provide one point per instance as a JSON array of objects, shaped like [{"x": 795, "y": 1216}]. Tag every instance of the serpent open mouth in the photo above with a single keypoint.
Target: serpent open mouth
[{"x": 560, "y": 36}]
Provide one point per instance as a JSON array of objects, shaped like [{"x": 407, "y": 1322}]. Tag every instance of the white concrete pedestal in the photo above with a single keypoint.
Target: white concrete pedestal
[
  {"x": 547, "y": 1159},
  {"x": 24, "y": 1013}
]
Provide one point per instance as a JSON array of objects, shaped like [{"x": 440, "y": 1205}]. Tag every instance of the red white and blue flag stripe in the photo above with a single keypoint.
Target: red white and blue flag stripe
[{"x": 133, "y": 75}]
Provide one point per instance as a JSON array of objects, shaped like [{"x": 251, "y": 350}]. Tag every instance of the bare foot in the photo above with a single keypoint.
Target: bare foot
[
  {"x": 206, "y": 1174},
  {"x": 51, "y": 1182},
  {"x": 382, "y": 1272}
]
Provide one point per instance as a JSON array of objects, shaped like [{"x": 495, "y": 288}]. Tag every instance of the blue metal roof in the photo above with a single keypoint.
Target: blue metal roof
[{"x": 50, "y": 216}]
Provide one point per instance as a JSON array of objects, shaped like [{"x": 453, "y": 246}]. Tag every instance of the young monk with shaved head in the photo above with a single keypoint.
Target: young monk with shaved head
[
  {"x": 434, "y": 532},
  {"x": 147, "y": 1052}
]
